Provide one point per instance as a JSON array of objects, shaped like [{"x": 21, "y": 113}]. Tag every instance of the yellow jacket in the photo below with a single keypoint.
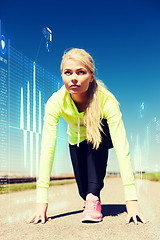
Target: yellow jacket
[{"x": 60, "y": 104}]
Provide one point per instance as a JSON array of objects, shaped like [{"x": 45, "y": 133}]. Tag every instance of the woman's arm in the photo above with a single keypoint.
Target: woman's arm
[
  {"x": 48, "y": 144},
  {"x": 121, "y": 146}
]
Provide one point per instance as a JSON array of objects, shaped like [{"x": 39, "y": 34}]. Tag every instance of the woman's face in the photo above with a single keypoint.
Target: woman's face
[{"x": 76, "y": 76}]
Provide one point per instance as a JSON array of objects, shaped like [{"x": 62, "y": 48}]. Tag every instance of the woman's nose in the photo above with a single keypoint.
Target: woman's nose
[{"x": 74, "y": 80}]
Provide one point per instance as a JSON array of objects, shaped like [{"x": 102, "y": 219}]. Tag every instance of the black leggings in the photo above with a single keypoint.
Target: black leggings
[{"x": 89, "y": 164}]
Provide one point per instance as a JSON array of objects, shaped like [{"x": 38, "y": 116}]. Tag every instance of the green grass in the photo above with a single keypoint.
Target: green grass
[
  {"x": 8, "y": 188},
  {"x": 154, "y": 176}
]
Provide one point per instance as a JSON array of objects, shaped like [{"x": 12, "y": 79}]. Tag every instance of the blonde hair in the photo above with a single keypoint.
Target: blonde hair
[{"x": 91, "y": 117}]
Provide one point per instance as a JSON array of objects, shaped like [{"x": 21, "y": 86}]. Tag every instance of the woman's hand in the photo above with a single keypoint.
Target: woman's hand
[
  {"x": 40, "y": 213},
  {"x": 133, "y": 210}
]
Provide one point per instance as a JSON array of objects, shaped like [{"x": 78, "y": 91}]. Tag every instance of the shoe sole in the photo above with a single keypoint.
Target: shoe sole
[{"x": 88, "y": 219}]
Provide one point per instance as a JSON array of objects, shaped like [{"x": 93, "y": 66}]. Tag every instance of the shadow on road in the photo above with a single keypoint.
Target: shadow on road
[
  {"x": 66, "y": 214},
  {"x": 113, "y": 209},
  {"x": 107, "y": 210}
]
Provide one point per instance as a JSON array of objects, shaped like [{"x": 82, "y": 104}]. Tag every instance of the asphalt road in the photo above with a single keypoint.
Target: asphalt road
[{"x": 65, "y": 210}]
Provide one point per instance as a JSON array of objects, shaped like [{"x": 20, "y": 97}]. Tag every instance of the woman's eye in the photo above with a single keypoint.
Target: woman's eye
[
  {"x": 67, "y": 72},
  {"x": 81, "y": 72}
]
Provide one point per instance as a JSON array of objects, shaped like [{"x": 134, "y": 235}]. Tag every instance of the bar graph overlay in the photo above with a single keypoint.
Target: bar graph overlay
[{"x": 30, "y": 88}]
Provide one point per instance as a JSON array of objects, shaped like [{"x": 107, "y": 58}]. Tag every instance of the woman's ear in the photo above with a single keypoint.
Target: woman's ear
[{"x": 92, "y": 77}]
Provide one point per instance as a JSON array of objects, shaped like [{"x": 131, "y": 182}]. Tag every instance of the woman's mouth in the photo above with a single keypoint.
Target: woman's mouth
[{"x": 74, "y": 86}]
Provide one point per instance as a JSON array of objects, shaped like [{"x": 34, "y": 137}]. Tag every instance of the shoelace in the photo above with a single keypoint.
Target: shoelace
[{"x": 91, "y": 204}]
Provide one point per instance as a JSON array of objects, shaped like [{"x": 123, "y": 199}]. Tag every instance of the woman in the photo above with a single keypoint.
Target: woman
[{"x": 94, "y": 124}]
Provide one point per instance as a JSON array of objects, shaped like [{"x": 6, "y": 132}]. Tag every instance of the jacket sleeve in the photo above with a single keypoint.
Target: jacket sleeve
[
  {"x": 121, "y": 147},
  {"x": 48, "y": 146}
]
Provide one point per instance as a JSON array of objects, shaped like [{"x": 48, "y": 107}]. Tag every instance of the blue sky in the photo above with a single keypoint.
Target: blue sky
[{"x": 122, "y": 36}]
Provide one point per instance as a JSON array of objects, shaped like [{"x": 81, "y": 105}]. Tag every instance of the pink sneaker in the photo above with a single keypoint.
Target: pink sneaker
[{"x": 92, "y": 211}]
